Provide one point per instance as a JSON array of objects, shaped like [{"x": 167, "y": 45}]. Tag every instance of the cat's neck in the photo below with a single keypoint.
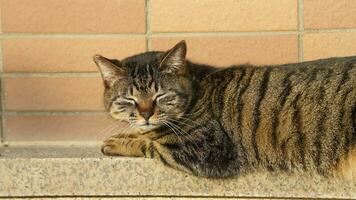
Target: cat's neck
[{"x": 199, "y": 71}]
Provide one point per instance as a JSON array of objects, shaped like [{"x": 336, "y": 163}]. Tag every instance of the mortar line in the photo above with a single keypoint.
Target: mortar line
[
  {"x": 328, "y": 30},
  {"x": 2, "y": 98},
  {"x": 70, "y": 36},
  {"x": 300, "y": 48},
  {"x": 259, "y": 31},
  {"x": 148, "y": 25},
  {"x": 50, "y": 74},
  {"x": 300, "y": 30},
  {"x": 267, "y": 33},
  {"x": 59, "y": 143},
  {"x": 54, "y": 112},
  {"x": 150, "y": 34},
  {"x": 204, "y": 34},
  {"x": 146, "y": 38}
]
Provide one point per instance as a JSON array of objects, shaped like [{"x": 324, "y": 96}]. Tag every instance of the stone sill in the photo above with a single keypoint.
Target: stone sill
[{"x": 81, "y": 171}]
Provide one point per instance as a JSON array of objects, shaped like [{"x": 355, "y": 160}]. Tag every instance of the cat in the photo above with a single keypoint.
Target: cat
[{"x": 223, "y": 122}]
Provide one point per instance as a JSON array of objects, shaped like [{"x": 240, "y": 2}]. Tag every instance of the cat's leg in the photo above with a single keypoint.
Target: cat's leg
[
  {"x": 125, "y": 145},
  {"x": 148, "y": 145},
  {"x": 206, "y": 151}
]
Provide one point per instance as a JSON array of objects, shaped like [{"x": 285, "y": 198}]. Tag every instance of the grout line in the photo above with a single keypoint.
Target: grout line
[
  {"x": 71, "y": 36},
  {"x": 60, "y": 143},
  {"x": 55, "y": 112},
  {"x": 301, "y": 31},
  {"x": 151, "y": 34},
  {"x": 2, "y": 98},
  {"x": 300, "y": 15},
  {"x": 50, "y": 74},
  {"x": 148, "y": 25},
  {"x": 300, "y": 48},
  {"x": 329, "y": 30},
  {"x": 205, "y": 34}
]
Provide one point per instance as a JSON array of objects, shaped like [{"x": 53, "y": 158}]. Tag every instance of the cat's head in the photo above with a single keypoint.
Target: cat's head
[{"x": 148, "y": 89}]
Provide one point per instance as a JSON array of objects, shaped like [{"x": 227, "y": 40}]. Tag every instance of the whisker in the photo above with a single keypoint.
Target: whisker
[
  {"x": 183, "y": 123},
  {"x": 170, "y": 127},
  {"x": 121, "y": 129},
  {"x": 184, "y": 133},
  {"x": 186, "y": 120},
  {"x": 110, "y": 126},
  {"x": 108, "y": 129},
  {"x": 173, "y": 116}
]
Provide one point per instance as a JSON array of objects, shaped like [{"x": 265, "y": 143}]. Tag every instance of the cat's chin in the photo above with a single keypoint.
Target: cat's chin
[{"x": 145, "y": 128}]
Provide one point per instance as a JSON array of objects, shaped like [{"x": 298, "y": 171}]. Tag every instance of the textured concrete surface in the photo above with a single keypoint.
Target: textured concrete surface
[
  {"x": 83, "y": 171},
  {"x": 141, "y": 198}
]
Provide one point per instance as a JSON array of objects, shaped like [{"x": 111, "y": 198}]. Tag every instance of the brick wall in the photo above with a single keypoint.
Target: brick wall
[{"x": 51, "y": 90}]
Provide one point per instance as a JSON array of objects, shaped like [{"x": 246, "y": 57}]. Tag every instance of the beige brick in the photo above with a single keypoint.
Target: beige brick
[
  {"x": 61, "y": 127},
  {"x": 53, "y": 93},
  {"x": 225, "y": 51},
  {"x": 73, "y": 16},
  {"x": 0, "y": 18},
  {"x": 64, "y": 55},
  {"x": 322, "y": 14},
  {"x": 323, "y": 45},
  {"x": 224, "y": 15}
]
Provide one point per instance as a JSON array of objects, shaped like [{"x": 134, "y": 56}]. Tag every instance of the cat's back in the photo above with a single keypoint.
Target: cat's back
[
  {"x": 298, "y": 115},
  {"x": 332, "y": 75}
]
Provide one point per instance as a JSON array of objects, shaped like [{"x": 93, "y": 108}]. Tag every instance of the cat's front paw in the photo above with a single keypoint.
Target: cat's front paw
[
  {"x": 110, "y": 147},
  {"x": 133, "y": 147},
  {"x": 113, "y": 145}
]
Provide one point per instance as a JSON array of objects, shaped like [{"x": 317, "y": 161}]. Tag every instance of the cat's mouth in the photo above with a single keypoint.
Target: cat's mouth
[{"x": 147, "y": 126}]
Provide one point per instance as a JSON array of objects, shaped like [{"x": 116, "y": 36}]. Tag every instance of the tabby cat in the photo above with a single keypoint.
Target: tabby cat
[{"x": 221, "y": 122}]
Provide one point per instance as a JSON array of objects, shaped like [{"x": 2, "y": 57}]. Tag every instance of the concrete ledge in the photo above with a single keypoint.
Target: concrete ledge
[{"x": 83, "y": 172}]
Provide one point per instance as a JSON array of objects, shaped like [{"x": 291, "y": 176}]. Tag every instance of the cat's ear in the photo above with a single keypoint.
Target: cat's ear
[
  {"x": 173, "y": 61},
  {"x": 110, "y": 72}
]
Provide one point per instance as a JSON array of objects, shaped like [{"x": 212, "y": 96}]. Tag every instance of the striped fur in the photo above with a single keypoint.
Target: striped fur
[{"x": 288, "y": 117}]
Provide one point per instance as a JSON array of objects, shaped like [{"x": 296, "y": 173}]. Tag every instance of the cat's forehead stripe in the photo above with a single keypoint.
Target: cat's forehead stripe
[{"x": 143, "y": 77}]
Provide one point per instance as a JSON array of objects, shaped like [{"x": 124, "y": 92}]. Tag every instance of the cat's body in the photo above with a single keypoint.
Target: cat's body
[
  {"x": 283, "y": 117},
  {"x": 289, "y": 117}
]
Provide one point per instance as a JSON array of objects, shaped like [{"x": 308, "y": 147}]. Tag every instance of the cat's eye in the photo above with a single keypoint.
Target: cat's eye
[
  {"x": 126, "y": 102},
  {"x": 156, "y": 99},
  {"x": 123, "y": 103},
  {"x": 166, "y": 99},
  {"x": 130, "y": 99},
  {"x": 159, "y": 95}
]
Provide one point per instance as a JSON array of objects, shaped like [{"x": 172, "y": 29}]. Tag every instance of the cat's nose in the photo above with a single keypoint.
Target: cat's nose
[
  {"x": 145, "y": 108},
  {"x": 146, "y": 114}
]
